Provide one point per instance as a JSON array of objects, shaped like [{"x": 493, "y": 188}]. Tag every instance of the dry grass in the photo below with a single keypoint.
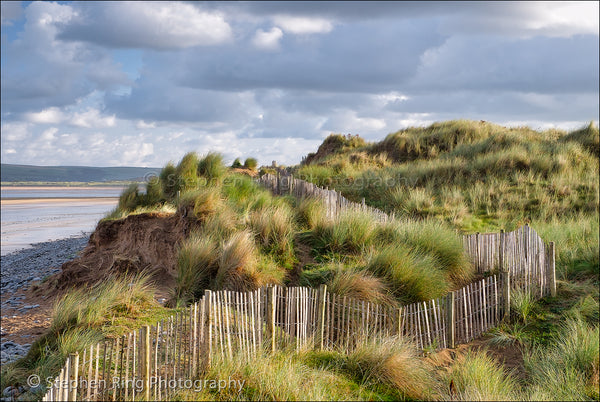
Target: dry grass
[
  {"x": 479, "y": 377},
  {"x": 394, "y": 362},
  {"x": 360, "y": 285},
  {"x": 196, "y": 266},
  {"x": 275, "y": 229}
]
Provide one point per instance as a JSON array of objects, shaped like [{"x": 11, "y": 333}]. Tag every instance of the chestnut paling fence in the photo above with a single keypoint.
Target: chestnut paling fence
[{"x": 161, "y": 360}]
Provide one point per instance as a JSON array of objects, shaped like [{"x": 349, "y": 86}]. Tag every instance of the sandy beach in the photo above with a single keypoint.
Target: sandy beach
[
  {"x": 67, "y": 201},
  {"x": 26, "y": 221}
]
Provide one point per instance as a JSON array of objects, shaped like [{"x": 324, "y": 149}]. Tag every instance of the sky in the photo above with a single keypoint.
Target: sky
[{"x": 143, "y": 83}]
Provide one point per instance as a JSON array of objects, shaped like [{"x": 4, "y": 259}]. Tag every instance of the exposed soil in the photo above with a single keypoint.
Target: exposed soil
[
  {"x": 139, "y": 243},
  {"x": 304, "y": 256},
  {"x": 249, "y": 172},
  {"x": 511, "y": 356}
]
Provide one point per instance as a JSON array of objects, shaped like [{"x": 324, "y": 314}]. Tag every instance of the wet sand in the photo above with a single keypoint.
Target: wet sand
[
  {"x": 35, "y": 220},
  {"x": 40, "y": 202},
  {"x": 62, "y": 188}
]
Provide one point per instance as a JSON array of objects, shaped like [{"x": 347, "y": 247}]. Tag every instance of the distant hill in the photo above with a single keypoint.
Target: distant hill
[{"x": 22, "y": 173}]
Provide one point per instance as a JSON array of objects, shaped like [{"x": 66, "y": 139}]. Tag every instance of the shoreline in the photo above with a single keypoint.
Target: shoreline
[
  {"x": 23, "y": 319},
  {"x": 38, "y": 200},
  {"x": 54, "y": 187}
]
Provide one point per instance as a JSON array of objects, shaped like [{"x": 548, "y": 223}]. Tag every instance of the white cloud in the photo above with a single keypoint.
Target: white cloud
[
  {"x": 348, "y": 122},
  {"x": 74, "y": 92},
  {"x": 15, "y": 131},
  {"x": 563, "y": 18},
  {"x": 135, "y": 153},
  {"x": 156, "y": 25},
  {"x": 91, "y": 118},
  {"x": 51, "y": 115},
  {"x": 525, "y": 19},
  {"x": 303, "y": 25},
  {"x": 48, "y": 134},
  {"x": 267, "y": 40},
  {"x": 141, "y": 125}
]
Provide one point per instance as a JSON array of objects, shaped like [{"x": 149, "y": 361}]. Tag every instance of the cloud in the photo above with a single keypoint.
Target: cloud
[
  {"x": 303, "y": 25},
  {"x": 501, "y": 106},
  {"x": 267, "y": 40},
  {"x": 526, "y": 19},
  {"x": 10, "y": 11},
  {"x": 92, "y": 118},
  {"x": 521, "y": 19},
  {"x": 51, "y": 115},
  {"x": 48, "y": 134},
  {"x": 345, "y": 60},
  {"x": 152, "y": 25},
  {"x": 143, "y": 82},
  {"x": 40, "y": 71},
  {"x": 15, "y": 132},
  {"x": 141, "y": 124},
  {"x": 495, "y": 63}
]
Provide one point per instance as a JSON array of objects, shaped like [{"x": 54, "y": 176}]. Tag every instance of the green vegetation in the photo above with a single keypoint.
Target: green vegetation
[
  {"x": 250, "y": 163},
  {"x": 476, "y": 176},
  {"x": 439, "y": 181},
  {"x": 83, "y": 317},
  {"x": 479, "y": 377}
]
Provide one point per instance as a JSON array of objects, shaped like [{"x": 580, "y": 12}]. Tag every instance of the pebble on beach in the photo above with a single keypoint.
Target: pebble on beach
[{"x": 21, "y": 268}]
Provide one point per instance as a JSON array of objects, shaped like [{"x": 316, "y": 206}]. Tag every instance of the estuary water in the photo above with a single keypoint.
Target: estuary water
[{"x": 37, "y": 214}]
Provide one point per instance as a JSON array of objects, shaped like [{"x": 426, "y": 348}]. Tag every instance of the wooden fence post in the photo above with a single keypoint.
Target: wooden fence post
[
  {"x": 278, "y": 183},
  {"x": 477, "y": 253},
  {"x": 321, "y": 316},
  {"x": 552, "y": 270},
  {"x": 399, "y": 317},
  {"x": 194, "y": 312},
  {"x": 145, "y": 360},
  {"x": 207, "y": 346},
  {"x": 73, "y": 375},
  {"x": 62, "y": 387},
  {"x": 271, "y": 304},
  {"x": 450, "y": 320},
  {"x": 506, "y": 293},
  {"x": 501, "y": 252}
]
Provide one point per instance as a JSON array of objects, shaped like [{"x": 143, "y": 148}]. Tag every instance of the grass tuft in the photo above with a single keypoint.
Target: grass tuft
[
  {"x": 196, "y": 266},
  {"x": 413, "y": 276},
  {"x": 479, "y": 377},
  {"x": 360, "y": 285},
  {"x": 393, "y": 362}
]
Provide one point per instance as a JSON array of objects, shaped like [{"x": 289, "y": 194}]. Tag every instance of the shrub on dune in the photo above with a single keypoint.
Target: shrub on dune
[
  {"x": 274, "y": 227},
  {"x": 130, "y": 198},
  {"x": 351, "y": 233},
  {"x": 196, "y": 266},
  {"x": 479, "y": 377},
  {"x": 169, "y": 180},
  {"x": 569, "y": 369},
  {"x": 412, "y": 276},
  {"x": 154, "y": 192},
  {"x": 434, "y": 239},
  {"x": 359, "y": 284},
  {"x": 311, "y": 212},
  {"x": 187, "y": 172},
  {"x": 241, "y": 267},
  {"x": 211, "y": 166},
  {"x": 393, "y": 362}
]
